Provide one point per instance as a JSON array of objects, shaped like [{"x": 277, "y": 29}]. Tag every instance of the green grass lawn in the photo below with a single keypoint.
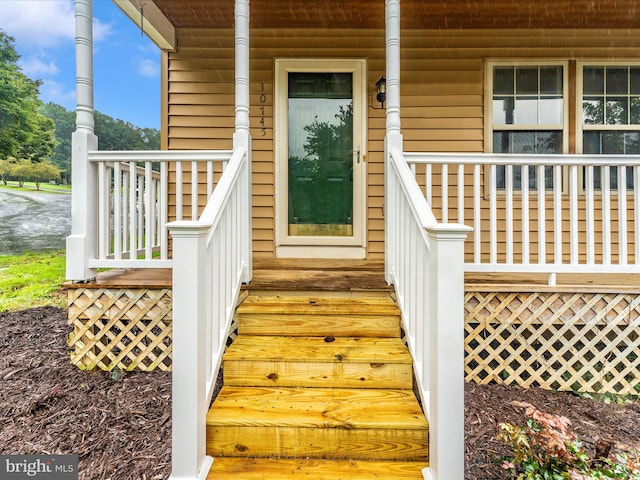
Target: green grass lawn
[
  {"x": 32, "y": 280},
  {"x": 31, "y": 187}
]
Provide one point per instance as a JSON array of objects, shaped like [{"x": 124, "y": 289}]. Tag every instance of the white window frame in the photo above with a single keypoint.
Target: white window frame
[
  {"x": 581, "y": 127},
  {"x": 490, "y": 127}
]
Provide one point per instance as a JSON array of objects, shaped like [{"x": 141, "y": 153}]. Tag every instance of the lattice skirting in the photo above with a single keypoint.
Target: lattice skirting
[
  {"x": 586, "y": 342},
  {"x": 123, "y": 329}
]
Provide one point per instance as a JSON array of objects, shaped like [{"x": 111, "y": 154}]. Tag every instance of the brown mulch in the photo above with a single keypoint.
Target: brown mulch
[{"x": 120, "y": 425}]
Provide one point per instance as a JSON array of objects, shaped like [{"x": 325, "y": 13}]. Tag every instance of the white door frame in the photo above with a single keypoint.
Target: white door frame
[{"x": 288, "y": 246}]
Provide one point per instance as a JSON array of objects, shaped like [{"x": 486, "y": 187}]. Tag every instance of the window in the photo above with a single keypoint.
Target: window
[
  {"x": 611, "y": 115},
  {"x": 527, "y": 114}
]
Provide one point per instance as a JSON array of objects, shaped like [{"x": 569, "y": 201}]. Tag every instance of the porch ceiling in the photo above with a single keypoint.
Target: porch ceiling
[{"x": 426, "y": 14}]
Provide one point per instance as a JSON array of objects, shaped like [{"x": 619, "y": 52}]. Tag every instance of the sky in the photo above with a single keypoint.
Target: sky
[{"x": 126, "y": 64}]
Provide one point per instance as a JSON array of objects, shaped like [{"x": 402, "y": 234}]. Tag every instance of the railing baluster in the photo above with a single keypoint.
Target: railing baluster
[
  {"x": 605, "y": 185},
  {"x": 557, "y": 214},
  {"x": 573, "y": 214},
  {"x": 132, "y": 211},
  {"x": 524, "y": 209},
  {"x": 194, "y": 190},
  {"x": 149, "y": 217},
  {"x": 117, "y": 211},
  {"x": 542, "y": 217},
  {"x": 590, "y": 214},
  {"x": 103, "y": 211},
  {"x": 636, "y": 213},
  {"x": 461, "y": 199},
  {"x": 493, "y": 222},
  {"x": 163, "y": 210},
  {"x": 444, "y": 180},
  {"x": 477, "y": 215},
  {"x": 622, "y": 215},
  {"x": 509, "y": 185},
  {"x": 179, "y": 191}
]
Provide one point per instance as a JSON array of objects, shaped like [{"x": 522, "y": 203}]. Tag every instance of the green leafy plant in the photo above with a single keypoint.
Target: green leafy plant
[{"x": 545, "y": 448}]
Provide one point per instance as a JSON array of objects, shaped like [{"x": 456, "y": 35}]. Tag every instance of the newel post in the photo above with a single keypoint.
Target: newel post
[
  {"x": 82, "y": 243},
  {"x": 189, "y": 397},
  {"x": 446, "y": 350}
]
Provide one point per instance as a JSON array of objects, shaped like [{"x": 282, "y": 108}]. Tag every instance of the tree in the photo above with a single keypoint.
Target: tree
[
  {"x": 21, "y": 170},
  {"x": 24, "y": 131},
  {"x": 65, "y": 123},
  {"x": 43, "y": 172}
]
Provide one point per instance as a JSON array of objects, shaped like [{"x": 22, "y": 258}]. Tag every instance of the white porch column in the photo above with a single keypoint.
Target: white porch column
[
  {"x": 82, "y": 243},
  {"x": 242, "y": 135},
  {"x": 446, "y": 352},
  {"x": 393, "y": 137}
]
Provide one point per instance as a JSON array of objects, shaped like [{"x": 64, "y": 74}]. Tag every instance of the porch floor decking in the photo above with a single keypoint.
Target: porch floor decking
[{"x": 346, "y": 275}]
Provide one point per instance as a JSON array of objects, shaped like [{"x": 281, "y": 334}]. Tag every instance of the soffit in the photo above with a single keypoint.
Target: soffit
[{"x": 427, "y": 14}]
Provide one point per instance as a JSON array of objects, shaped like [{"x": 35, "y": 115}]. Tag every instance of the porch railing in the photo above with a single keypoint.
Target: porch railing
[
  {"x": 425, "y": 265},
  {"x": 212, "y": 258},
  {"x": 134, "y": 197},
  {"x": 542, "y": 213}
]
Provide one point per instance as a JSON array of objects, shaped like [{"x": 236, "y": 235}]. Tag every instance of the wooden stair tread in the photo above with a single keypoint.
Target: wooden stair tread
[
  {"x": 226, "y": 468},
  {"x": 296, "y": 305},
  {"x": 317, "y": 408},
  {"x": 318, "y": 349}
]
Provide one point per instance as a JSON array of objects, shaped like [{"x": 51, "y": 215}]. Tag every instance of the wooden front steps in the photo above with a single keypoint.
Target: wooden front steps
[{"x": 320, "y": 387}]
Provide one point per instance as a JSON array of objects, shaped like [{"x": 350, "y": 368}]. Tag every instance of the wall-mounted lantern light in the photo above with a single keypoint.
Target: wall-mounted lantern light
[{"x": 381, "y": 88}]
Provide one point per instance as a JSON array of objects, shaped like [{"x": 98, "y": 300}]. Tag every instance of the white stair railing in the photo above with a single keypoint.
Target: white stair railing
[
  {"x": 425, "y": 265},
  {"x": 211, "y": 260}
]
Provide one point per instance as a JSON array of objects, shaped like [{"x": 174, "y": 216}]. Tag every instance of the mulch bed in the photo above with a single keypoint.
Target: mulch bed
[{"x": 120, "y": 425}]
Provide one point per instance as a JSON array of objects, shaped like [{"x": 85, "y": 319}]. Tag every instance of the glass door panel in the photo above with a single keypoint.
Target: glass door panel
[{"x": 320, "y": 154}]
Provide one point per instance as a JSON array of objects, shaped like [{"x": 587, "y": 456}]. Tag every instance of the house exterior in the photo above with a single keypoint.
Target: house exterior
[{"x": 374, "y": 132}]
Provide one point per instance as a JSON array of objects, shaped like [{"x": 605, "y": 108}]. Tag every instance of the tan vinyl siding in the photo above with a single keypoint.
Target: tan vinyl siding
[{"x": 442, "y": 94}]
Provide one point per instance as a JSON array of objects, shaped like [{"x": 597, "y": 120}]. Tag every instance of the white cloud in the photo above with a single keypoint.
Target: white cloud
[
  {"x": 149, "y": 68},
  {"x": 43, "y": 23},
  {"x": 52, "y": 91},
  {"x": 34, "y": 67}
]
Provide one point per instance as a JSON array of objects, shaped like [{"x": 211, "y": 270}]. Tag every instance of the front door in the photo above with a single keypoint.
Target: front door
[{"x": 320, "y": 158}]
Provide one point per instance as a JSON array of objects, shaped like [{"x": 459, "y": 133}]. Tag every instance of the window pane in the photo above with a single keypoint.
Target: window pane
[
  {"x": 526, "y": 111},
  {"x": 635, "y": 110},
  {"x": 593, "y": 80},
  {"x": 613, "y": 143},
  {"x": 523, "y": 142},
  {"x": 634, "y": 81},
  {"x": 632, "y": 143},
  {"x": 500, "y": 142},
  {"x": 551, "y": 80},
  {"x": 503, "y": 111},
  {"x": 527, "y": 80},
  {"x": 617, "y": 111},
  {"x": 527, "y": 142},
  {"x": 617, "y": 81},
  {"x": 503, "y": 80},
  {"x": 551, "y": 110},
  {"x": 591, "y": 143},
  {"x": 593, "y": 111},
  {"x": 549, "y": 142}
]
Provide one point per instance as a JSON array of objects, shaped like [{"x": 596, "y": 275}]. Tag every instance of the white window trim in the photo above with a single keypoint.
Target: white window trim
[
  {"x": 488, "y": 94},
  {"x": 581, "y": 127}
]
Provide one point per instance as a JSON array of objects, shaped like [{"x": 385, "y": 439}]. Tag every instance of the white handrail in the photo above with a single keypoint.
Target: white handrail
[
  {"x": 210, "y": 265},
  {"x": 133, "y": 202},
  {"x": 425, "y": 260},
  {"x": 540, "y": 213}
]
